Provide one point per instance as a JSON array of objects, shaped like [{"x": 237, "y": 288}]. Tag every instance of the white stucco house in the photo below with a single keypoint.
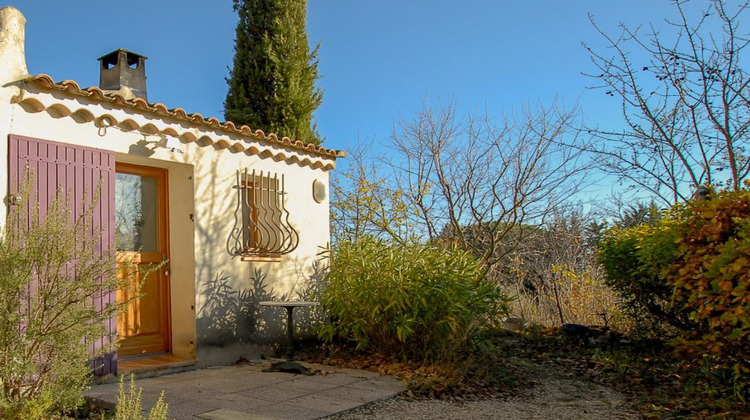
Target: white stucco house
[{"x": 240, "y": 215}]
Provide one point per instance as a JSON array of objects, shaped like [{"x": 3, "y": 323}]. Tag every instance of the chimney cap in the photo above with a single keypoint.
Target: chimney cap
[
  {"x": 111, "y": 57},
  {"x": 122, "y": 69}
]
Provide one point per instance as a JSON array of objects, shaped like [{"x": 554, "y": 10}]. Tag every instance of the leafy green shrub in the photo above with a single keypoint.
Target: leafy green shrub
[
  {"x": 50, "y": 274},
  {"x": 129, "y": 406},
  {"x": 415, "y": 301},
  {"x": 691, "y": 270},
  {"x": 711, "y": 281},
  {"x": 635, "y": 260}
]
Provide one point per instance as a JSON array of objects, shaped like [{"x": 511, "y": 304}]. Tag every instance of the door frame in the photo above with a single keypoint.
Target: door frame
[{"x": 161, "y": 175}]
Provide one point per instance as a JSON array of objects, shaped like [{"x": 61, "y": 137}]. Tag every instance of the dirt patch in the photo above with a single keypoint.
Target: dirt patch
[{"x": 548, "y": 397}]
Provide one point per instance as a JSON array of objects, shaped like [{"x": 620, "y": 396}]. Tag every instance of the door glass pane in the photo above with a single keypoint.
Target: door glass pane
[{"x": 135, "y": 202}]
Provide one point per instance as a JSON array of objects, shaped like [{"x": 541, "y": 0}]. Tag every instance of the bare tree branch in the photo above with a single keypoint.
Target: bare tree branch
[
  {"x": 473, "y": 182},
  {"x": 685, "y": 106}
]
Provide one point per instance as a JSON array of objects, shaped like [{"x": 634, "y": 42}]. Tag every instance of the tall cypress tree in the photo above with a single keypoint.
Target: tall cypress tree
[{"x": 272, "y": 81}]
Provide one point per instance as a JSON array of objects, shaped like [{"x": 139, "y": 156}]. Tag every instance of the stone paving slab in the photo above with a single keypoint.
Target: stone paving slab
[{"x": 244, "y": 392}]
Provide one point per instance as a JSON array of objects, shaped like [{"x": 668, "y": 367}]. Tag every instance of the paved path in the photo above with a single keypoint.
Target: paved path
[{"x": 243, "y": 392}]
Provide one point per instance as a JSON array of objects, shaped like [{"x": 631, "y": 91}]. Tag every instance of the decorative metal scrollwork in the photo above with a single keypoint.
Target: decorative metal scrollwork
[{"x": 261, "y": 221}]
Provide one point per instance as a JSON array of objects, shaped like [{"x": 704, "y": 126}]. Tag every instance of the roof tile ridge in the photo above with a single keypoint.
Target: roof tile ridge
[
  {"x": 197, "y": 118},
  {"x": 120, "y": 99},
  {"x": 161, "y": 109},
  {"x": 138, "y": 103},
  {"x": 72, "y": 86},
  {"x": 43, "y": 78},
  {"x": 179, "y": 113},
  {"x": 96, "y": 93},
  {"x": 214, "y": 122}
]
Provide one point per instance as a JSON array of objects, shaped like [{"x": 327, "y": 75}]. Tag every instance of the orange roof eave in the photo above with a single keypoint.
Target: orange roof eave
[{"x": 142, "y": 106}]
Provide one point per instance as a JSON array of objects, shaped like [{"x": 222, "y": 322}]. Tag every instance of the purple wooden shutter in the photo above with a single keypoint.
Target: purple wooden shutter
[{"x": 76, "y": 170}]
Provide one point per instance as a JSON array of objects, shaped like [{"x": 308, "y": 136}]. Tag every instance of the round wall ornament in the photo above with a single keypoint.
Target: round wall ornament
[{"x": 320, "y": 191}]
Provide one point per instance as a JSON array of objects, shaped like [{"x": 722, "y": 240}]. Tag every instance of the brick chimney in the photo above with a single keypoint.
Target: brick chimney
[{"x": 123, "y": 71}]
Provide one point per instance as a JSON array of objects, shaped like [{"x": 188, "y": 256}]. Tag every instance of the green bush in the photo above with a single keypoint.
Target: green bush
[
  {"x": 416, "y": 302},
  {"x": 691, "y": 271},
  {"x": 711, "y": 282},
  {"x": 50, "y": 274},
  {"x": 635, "y": 260}
]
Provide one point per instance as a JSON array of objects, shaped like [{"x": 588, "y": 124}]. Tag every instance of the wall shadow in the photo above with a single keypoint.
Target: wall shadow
[{"x": 231, "y": 316}]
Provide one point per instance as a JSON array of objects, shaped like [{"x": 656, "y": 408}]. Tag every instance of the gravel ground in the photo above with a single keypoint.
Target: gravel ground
[{"x": 548, "y": 398}]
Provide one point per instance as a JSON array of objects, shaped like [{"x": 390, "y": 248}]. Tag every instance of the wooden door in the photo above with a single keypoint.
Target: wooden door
[{"x": 141, "y": 238}]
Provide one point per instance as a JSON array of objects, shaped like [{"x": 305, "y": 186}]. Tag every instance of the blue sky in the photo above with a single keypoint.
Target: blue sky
[{"x": 379, "y": 59}]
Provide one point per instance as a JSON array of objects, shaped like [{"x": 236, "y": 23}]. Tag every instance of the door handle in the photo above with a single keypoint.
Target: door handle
[{"x": 14, "y": 199}]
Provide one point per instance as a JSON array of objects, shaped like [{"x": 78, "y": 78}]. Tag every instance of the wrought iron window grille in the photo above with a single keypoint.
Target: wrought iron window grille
[{"x": 261, "y": 221}]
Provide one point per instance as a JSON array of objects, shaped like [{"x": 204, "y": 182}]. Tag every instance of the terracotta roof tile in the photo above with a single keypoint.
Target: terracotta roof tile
[{"x": 98, "y": 95}]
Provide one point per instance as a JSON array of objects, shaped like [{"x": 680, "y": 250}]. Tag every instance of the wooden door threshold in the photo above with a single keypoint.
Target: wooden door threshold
[{"x": 152, "y": 363}]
